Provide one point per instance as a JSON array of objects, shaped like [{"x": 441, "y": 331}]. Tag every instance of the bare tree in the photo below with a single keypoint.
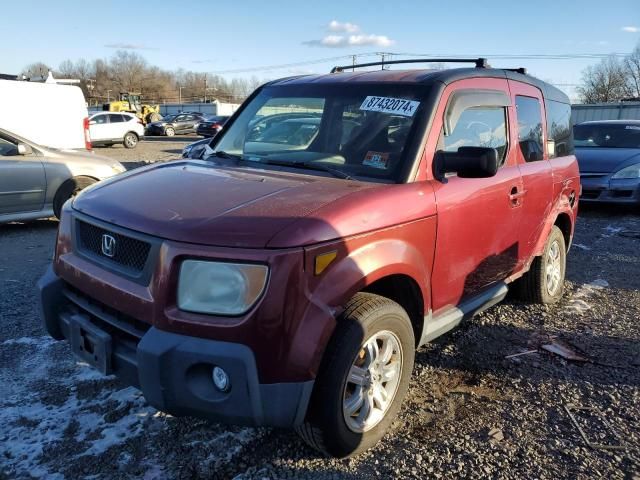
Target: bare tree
[
  {"x": 632, "y": 70},
  {"x": 36, "y": 70},
  {"x": 604, "y": 82}
]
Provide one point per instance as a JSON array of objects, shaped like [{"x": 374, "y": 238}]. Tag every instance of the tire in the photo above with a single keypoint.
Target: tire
[
  {"x": 130, "y": 140},
  {"x": 329, "y": 427},
  {"x": 169, "y": 132},
  {"x": 69, "y": 189},
  {"x": 544, "y": 282}
]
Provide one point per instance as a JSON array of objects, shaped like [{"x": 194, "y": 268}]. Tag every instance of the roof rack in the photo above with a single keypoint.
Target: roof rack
[
  {"x": 479, "y": 62},
  {"x": 521, "y": 70}
]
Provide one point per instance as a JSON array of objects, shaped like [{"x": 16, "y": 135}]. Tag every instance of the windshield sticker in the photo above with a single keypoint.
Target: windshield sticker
[
  {"x": 376, "y": 160},
  {"x": 632, "y": 127},
  {"x": 396, "y": 106}
]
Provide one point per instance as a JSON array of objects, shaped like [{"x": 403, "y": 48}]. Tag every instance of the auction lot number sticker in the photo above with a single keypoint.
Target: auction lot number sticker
[{"x": 396, "y": 106}]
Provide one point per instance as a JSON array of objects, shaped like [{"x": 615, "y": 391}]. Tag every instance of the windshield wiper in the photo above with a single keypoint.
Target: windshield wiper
[
  {"x": 229, "y": 156},
  {"x": 309, "y": 166}
]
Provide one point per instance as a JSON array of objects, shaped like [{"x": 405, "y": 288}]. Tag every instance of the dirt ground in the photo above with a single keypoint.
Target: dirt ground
[{"x": 470, "y": 412}]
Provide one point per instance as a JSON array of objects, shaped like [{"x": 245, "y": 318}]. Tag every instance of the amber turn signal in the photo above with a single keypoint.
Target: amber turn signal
[{"x": 324, "y": 260}]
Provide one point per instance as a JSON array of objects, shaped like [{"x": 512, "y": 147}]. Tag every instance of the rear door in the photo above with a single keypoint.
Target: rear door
[
  {"x": 477, "y": 241},
  {"x": 528, "y": 126},
  {"x": 117, "y": 126},
  {"x": 22, "y": 180}
]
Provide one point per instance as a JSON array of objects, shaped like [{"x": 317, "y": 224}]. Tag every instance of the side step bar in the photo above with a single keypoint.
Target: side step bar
[{"x": 434, "y": 326}]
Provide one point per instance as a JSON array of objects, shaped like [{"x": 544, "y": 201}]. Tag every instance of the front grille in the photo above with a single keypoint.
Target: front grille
[
  {"x": 108, "y": 319},
  {"x": 128, "y": 252}
]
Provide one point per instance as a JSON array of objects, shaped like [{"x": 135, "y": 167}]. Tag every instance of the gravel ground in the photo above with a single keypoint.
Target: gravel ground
[{"x": 470, "y": 411}]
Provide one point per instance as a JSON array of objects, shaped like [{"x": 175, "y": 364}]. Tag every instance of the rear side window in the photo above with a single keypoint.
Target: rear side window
[
  {"x": 478, "y": 127},
  {"x": 116, "y": 118},
  {"x": 529, "y": 128},
  {"x": 559, "y": 128}
]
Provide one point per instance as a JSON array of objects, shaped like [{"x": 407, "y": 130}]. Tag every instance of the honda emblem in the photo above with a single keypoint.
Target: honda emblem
[{"x": 108, "y": 245}]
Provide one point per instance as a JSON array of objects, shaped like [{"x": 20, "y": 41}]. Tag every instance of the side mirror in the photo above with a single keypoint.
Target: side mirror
[
  {"x": 468, "y": 162},
  {"x": 24, "y": 149}
]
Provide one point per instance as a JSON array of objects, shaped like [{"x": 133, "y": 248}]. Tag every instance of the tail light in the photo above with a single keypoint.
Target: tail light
[{"x": 87, "y": 135}]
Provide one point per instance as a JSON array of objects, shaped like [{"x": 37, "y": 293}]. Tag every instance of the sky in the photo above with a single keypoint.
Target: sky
[{"x": 241, "y": 38}]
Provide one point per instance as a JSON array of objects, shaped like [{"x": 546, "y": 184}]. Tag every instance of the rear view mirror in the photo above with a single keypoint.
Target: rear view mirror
[
  {"x": 24, "y": 149},
  {"x": 468, "y": 162}
]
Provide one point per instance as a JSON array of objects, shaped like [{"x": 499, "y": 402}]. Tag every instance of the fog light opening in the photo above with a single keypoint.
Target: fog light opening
[{"x": 221, "y": 379}]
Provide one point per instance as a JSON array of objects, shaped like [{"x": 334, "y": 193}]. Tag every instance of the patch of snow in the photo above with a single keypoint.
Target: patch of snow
[
  {"x": 578, "y": 303},
  {"x": 580, "y": 246}
]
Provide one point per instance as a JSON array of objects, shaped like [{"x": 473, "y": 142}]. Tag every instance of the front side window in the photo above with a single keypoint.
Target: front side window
[
  {"x": 100, "y": 119},
  {"x": 529, "y": 118},
  {"x": 353, "y": 131},
  {"x": 478, "y": 127},
  {"x": 607, "y": 135},
  {"x": 7, "y": 148}
]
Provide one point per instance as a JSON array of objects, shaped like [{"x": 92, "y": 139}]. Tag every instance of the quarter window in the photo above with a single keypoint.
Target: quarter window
[
  {"x": 559, "y": 128},
  {"x": 529, "y": 128},
  {"x": 478, "y": 127}
]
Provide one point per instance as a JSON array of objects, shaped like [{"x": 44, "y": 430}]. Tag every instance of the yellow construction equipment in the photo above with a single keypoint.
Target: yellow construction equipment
[{"x": 130, "y": 102}]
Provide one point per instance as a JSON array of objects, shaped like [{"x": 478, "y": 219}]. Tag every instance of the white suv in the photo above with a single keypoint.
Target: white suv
[{"x": 107, "y": 128}]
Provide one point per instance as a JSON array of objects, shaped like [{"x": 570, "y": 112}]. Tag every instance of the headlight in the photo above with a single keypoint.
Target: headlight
[
  {"x": 186, "y": 150},
  {"x": 632, "y": 171},
  {"x": 220, "y": 288}
]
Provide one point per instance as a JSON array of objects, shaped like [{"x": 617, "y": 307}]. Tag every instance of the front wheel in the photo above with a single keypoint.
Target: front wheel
[
  {"x": 363, "y": 378},
  {"x": 169, "y": 132},
  {"x": 544, "y": 282}
]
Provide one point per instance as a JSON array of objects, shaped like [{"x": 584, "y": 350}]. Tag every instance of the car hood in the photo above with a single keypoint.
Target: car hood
[
  {"x": 605, "y": 160},
  {"x": 193, "y": 201}
]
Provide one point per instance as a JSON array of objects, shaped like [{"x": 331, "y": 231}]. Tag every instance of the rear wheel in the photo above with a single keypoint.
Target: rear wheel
[
  {"x": 364, "y": 376},
  {"x": 169, "y": 132},
  {"x": 69, "y": 189},
  {"x": 544, "y": 282},
  {"x": 130, "y": 140}
]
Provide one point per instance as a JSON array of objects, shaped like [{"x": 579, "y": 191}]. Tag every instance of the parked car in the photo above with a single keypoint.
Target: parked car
[
  {"x": 112, "y": 128},
  {"x": 48, "y": 114},
  {"x": 177, "y": 124},
  {"x": 290, "y": 287},
  {"x": 35, "y": 181},
  {"x": 609, "y": 157},
  {"x": 210, "y": 126}
]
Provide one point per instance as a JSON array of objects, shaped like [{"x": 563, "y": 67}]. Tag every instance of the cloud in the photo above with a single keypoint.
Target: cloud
[
  {"x": 347, "y": 34},
  {"x": 127, "y": 46},
  {"x": 345, "y": 27},
  {"x": 631, "y": 29},
  {"x": 341, "y": 41}
]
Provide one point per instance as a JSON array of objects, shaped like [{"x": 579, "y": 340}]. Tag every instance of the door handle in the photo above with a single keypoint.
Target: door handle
[{"x": 516, "y": 195}]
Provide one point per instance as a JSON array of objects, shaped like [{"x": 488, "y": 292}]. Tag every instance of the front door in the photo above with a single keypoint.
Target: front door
[
  {"x": 22, "y": 180},
  {"x": 477, "y": 241},
  {"x": 99, "y": 127}
]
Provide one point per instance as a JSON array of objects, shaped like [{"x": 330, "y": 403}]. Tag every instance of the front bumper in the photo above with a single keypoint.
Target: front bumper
[
  {"x": 603, "y": 189},
  {"x": 173, "y": 371}
]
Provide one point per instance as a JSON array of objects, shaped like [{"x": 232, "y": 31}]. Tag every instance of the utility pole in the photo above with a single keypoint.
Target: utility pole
[
  {"x": 353, "y": 62},
  {"x": 180, "y": 94},
  {"x": 205, "y": 88},
  {"x": 108, "y": 96}
]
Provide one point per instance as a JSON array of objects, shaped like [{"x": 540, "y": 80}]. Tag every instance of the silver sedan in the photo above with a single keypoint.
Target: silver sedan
[{"x": 35, "y": 181}]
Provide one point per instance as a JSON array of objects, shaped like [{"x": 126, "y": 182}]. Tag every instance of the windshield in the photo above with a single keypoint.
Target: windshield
[
  {"x": 169, "y": 118},
  {"x": 355, "y": 130},
  {"x": 607, "y": 135}
]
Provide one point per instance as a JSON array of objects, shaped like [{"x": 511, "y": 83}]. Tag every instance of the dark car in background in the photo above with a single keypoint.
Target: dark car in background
[
  {"x": 609, "y": 157},
  {"x": 177, "y": 124},
  {"x": 211, "y": 125}
]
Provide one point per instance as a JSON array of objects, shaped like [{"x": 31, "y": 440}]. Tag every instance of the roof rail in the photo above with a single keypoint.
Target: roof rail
[{"x": 479, "y": 62}]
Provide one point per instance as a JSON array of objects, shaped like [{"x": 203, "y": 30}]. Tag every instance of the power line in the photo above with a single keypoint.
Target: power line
[{"x": 501, "y": 56}]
